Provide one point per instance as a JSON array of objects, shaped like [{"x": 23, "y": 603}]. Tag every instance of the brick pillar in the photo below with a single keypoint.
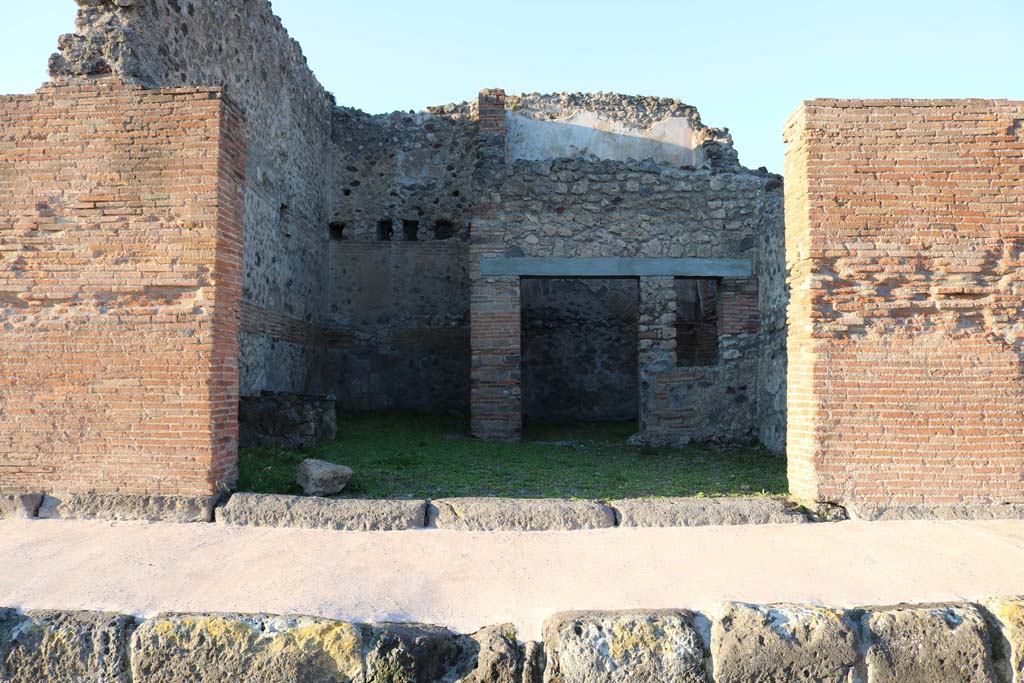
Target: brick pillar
[
  {"x": 905, "y": 247},
  {"x": 495, "y": 397}
]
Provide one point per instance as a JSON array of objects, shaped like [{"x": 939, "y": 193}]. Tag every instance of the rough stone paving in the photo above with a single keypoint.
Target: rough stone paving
[{"x": 189, "y": 217}]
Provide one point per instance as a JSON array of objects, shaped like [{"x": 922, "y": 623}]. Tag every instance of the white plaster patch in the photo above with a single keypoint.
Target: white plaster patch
[{"x": 671, "y": 141}]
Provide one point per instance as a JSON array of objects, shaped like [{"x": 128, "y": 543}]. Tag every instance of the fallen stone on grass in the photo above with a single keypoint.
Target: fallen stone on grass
[
  {"x": 925, "y": 644},
  {"x": 19, "y": 505},
  {"x": 322, "y": 478},
  {"x": 45, "y": 645},
  {"x": 783, "y": 643},
  {"x": 669, "y": 512},
  {"x": 519, "y": 514},
  {"x": 259, "y": 509},
  {"x": 624, "y": 647},
  {"x": 118, "y": 507}
]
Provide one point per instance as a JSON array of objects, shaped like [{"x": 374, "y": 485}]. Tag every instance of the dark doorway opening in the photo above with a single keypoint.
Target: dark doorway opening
[{"x": 580, "y": 350}]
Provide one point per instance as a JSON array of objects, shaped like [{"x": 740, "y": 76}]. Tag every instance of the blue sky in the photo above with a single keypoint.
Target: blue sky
[{"x": 746, "y": 65}]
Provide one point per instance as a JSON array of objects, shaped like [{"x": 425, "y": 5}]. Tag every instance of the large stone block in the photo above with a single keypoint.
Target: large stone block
[
  {"x": 499, "y": 658},
  {"x": 519, "y": 514},
  {"x": 1007, "y": 616},
  {"x": 64, "y": 647},
  {"x": 668, "y": 512},
  {"x": 623, "y": 647},
  {"x": 129, "y": 507},
  {"x": 257, "y": 509},
  {"x": 925, "y": 644},
  {"x": 877, "y": 513},
  {"x": 415, "y": 653},
  {"x": 19, "y": 505},
  {"x": 783, "y": 643},
  {"x": 204, "y": 648},
  {"x": 320, "y": 478}
]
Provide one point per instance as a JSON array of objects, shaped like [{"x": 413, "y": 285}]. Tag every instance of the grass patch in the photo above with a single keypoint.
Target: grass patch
[{"x": 418, "y": 456}]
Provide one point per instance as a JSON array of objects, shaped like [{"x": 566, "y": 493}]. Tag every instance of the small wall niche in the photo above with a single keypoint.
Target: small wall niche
[
  {"x": 385, "y": 229},
  {"x": 444, "y": 229},
  {"x": 410, "y": 230},
  {"x": 337, "y": 229}
]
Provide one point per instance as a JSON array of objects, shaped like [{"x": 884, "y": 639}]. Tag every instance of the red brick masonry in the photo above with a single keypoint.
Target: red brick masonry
[
  {"x": 121, "y": 247},
  {"x": 905, "y": 241}
]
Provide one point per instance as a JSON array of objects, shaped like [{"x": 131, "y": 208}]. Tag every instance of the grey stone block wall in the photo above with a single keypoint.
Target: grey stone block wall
[{"x": 733, "y": 643}]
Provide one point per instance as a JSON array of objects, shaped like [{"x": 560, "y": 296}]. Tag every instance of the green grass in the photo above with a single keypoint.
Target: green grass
[{"x": 417, "y": 456}]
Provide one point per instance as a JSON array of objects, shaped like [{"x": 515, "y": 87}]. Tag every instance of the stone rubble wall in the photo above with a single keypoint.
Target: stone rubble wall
[
  {"x": 589, "y": 208},
  {"x": 241, "y": 45},
  {"x": 399, "y": 319},
  {"x": 731, "y": 643},
  {"x": 403, "y": 167},
  {"x": 580, "y": 349}
]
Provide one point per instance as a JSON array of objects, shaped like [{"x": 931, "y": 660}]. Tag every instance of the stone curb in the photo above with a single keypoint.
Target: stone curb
[
  {"x": 734, "y": 643},
  {"x": 881, "y": 513},
  {"x": 519, "y": 514},
  {"x": 671, "y": 512},
  {"x": 466, "y": 514},
  {"x": 19, "y": 505},
  {"x": 119, "y": 508},
  {"x": 338, "y": 514}
]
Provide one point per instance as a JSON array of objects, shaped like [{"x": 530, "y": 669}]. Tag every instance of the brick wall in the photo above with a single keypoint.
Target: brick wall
[
  {"x": 494, "y": 306},
  {"x": 121, "y": 243},
  {"x": 905, "y": 241}
]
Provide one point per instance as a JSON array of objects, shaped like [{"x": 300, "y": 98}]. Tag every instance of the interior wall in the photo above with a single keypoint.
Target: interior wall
[
  {"x": 579, "y": 349},
  {"x": 399, "y": 326}
]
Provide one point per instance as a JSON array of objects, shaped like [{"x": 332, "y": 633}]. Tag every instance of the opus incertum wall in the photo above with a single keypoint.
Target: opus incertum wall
[{"x": 905, "y": 245}]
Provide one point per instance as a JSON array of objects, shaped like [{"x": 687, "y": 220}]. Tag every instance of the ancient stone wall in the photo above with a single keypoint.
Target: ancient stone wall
[
  {"x": 591, "y": 207},
  {"x": 905, "y": 243},
  {"x": 399, "y": 325},
  {"x": 404, "y": 176},
  {"x": 120, "y": 214},
  {"x": 580, "y": 349},
  {"x": 242, "y": 46}
]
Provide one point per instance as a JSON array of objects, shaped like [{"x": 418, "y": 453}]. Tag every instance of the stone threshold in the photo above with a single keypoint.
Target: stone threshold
[{"x": 971, "y": 642}]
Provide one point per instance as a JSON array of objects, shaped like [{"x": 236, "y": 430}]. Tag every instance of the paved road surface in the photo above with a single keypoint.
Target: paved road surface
[{"x": 465, "y": 580}]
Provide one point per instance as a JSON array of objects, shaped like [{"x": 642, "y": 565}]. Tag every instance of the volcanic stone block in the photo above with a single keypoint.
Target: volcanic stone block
[
  {"x": 321, "y": 478},
  {"x": 257, "y": 509},
  {"x": 668, "y": 512},
  {"x": 783, "y": 643},
  {"x": 1007, "y": 615},
  {"x": 129, "y": 507},
  {"x": 19, "y": 505},
  {"x": 499, "y": 659},
  {"x": 519, "y": 514},
  {"x": 623, "y": 647},
  {"x": 415, "y": 653},
  {"x": 204, "y": 648},
  {"x": 64, "y": 646},
  {"x": 925, "y": 644}
]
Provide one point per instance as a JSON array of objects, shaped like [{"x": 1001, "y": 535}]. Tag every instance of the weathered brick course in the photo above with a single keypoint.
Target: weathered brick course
[
  {"x": 121, "y": 243},
  {"x": 905, "y": 240}
]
